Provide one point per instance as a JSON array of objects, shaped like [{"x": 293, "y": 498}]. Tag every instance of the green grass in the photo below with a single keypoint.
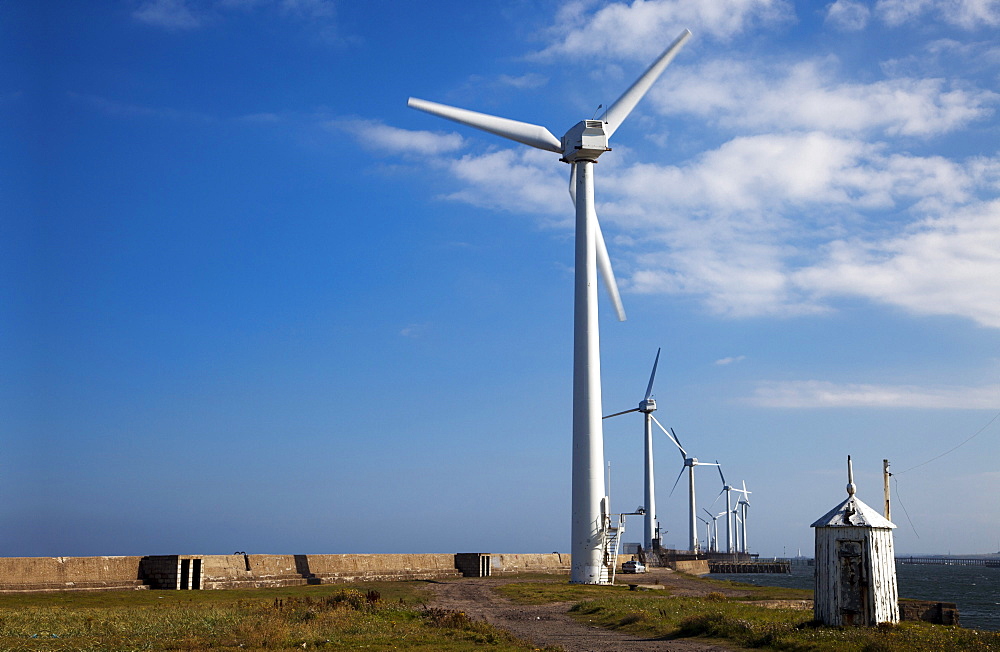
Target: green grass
[
  {"x": 342, "y": 617},
  {"x": 739, "y": 622},
  {"x": 556, "y": 589},
  {"x": 380, "y": 616}
]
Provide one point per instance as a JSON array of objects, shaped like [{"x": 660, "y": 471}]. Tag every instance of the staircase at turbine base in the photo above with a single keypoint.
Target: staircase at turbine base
[{"x": 611, "y": 538}]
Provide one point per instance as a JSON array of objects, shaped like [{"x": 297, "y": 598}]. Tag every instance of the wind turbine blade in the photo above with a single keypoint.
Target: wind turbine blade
[
  {"x": 620, "y": 110},
  {"x": 718, "y": 497},
  {"x": 603, "y": 259},
  {"x": 521, "y": 132},
  {"x": 671, "y": 437},
  {"x": 608, "y": 274},
  {"x": 649, "y": 387},
  {"x": 708, "y": 512},
  {"x": 572, "y": 184},
  {"x": 720, "y": 474},
  {"x": 676, "y": 481},
  {"x": 676, "y": 438},
  {"x": 618, "y": 414}
]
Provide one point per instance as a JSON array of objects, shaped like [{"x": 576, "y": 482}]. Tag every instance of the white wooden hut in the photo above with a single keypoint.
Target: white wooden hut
[{"x": 855, "y": 564}]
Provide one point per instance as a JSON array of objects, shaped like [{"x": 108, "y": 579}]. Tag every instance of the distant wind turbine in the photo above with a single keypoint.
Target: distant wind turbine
[
  {"x": 715, "y": 529},
  {"x": 689, "y": 464},
  {"x": 647, "y": 406},
  {"x": 742, "y": 504},
  {"x": 726, "y": 488},
  {"x": 580, "y": 147},
  {"x": 708, "y": 533},
  {"x": 741, "y": 515}
]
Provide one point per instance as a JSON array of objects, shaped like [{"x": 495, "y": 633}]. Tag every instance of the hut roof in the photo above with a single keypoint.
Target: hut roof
[{"x": 853, "y": 513}]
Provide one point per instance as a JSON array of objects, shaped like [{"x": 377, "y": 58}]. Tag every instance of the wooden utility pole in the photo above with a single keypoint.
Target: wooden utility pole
[{"x": 885, "y": 488}]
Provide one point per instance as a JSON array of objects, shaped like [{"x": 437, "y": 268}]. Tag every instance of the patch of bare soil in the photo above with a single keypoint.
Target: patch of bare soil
[{"x": 551, "y": 625}]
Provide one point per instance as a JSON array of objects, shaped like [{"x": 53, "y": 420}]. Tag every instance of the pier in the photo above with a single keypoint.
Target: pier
[
  {"x": 951, "y": 561},
  {"x": 722, "y": 566}
]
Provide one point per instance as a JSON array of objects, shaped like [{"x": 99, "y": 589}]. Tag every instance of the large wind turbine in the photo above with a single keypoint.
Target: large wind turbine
[
  {"x": 580, "y": 147},
  {"x": 689, "y": 464},
  {"x": 647, "y": 406}
]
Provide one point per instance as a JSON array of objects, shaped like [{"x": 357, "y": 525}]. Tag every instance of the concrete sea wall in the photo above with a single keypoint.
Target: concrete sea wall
[
  {"x": 191, "y": 572},
  {"x": 69, "y": 573}
]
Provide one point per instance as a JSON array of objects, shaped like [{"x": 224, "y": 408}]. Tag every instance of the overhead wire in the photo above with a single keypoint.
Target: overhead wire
[
  {"x": 956, "y": 447},
  {"x": 937, "y": 457},
  {"x": 904, "y": 508}
]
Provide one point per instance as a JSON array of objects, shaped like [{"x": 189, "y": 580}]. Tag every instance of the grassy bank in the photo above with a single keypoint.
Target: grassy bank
[
  {"x": 381, "y": 616},
  {"x": 742, "y": 621}
]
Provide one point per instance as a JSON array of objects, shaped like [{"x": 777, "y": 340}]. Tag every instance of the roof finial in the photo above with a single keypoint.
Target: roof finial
[{"x": 850, "y": 478}]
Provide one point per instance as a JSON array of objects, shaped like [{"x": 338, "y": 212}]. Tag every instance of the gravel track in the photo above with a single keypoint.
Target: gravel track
[{"x": 551, "y": 625}]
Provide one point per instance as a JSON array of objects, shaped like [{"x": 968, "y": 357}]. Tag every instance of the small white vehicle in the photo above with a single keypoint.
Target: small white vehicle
[{"x": 633, "y": 567}]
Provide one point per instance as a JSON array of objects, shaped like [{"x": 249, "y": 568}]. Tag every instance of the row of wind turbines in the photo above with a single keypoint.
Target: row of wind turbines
[{"x": 736, "y": 514}]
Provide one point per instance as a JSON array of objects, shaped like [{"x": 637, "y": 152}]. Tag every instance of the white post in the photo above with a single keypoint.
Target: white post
[
  {"x": 885, "y": 489},
  {"x": 649, "y": 497},
  {"x": 588, "y": 437}
]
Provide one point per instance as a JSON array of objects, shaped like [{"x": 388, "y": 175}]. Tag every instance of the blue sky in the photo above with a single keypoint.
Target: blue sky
[{"x": 251, "y": 301}]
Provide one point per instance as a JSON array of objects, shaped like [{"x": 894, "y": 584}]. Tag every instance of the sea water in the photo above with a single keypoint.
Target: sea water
[{"x": 974, "y": 589}]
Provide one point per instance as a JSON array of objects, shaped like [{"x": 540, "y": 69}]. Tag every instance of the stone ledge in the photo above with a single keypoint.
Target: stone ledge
[{"x": 40, "y": 587}]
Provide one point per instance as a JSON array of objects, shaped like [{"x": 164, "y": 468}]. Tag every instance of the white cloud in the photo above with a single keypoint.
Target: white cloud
[
  {"x": 947, "y": 265},
  {"x": 968, "y": 14},
  {"x": 739, "y": 226},
  {"x": 526, "y": 81},
  {"x": 260, "y": 118},
  {"x": 414, "y": 330},
  {"x": 737, "y": 95},
  {"x": 169, "y": 14},
  {"x": 731, "y": 360},
  {"x": 311, "y": 9},
  {"x": 822, "y": 394},
  {"x": 320, "y": 15},
  {"x": 393, "y": 140},
  {"x": 848, "y": 15},
  {"x": 126, "y": 109},
  {"x": 522, "y": 179},
  {"x": 757, "y": 226},
  {"x": 639, "y": 29}
]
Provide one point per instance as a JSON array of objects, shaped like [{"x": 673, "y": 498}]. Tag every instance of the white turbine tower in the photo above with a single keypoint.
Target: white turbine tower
[
  {"x": 647, "y": 406},
  {"x": 726, "y": 489},
  {"x": 689, "y": 464},
  {"x": 580, "y": 147}
]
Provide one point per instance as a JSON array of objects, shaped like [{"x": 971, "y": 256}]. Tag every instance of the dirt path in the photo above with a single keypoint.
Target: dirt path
[{"x": 550, "y": 624}]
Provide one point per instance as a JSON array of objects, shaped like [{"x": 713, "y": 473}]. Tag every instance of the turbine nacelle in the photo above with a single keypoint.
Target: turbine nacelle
[
  {"x": 585, "y": 141},
  {"x": 647, "y": 405}
]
